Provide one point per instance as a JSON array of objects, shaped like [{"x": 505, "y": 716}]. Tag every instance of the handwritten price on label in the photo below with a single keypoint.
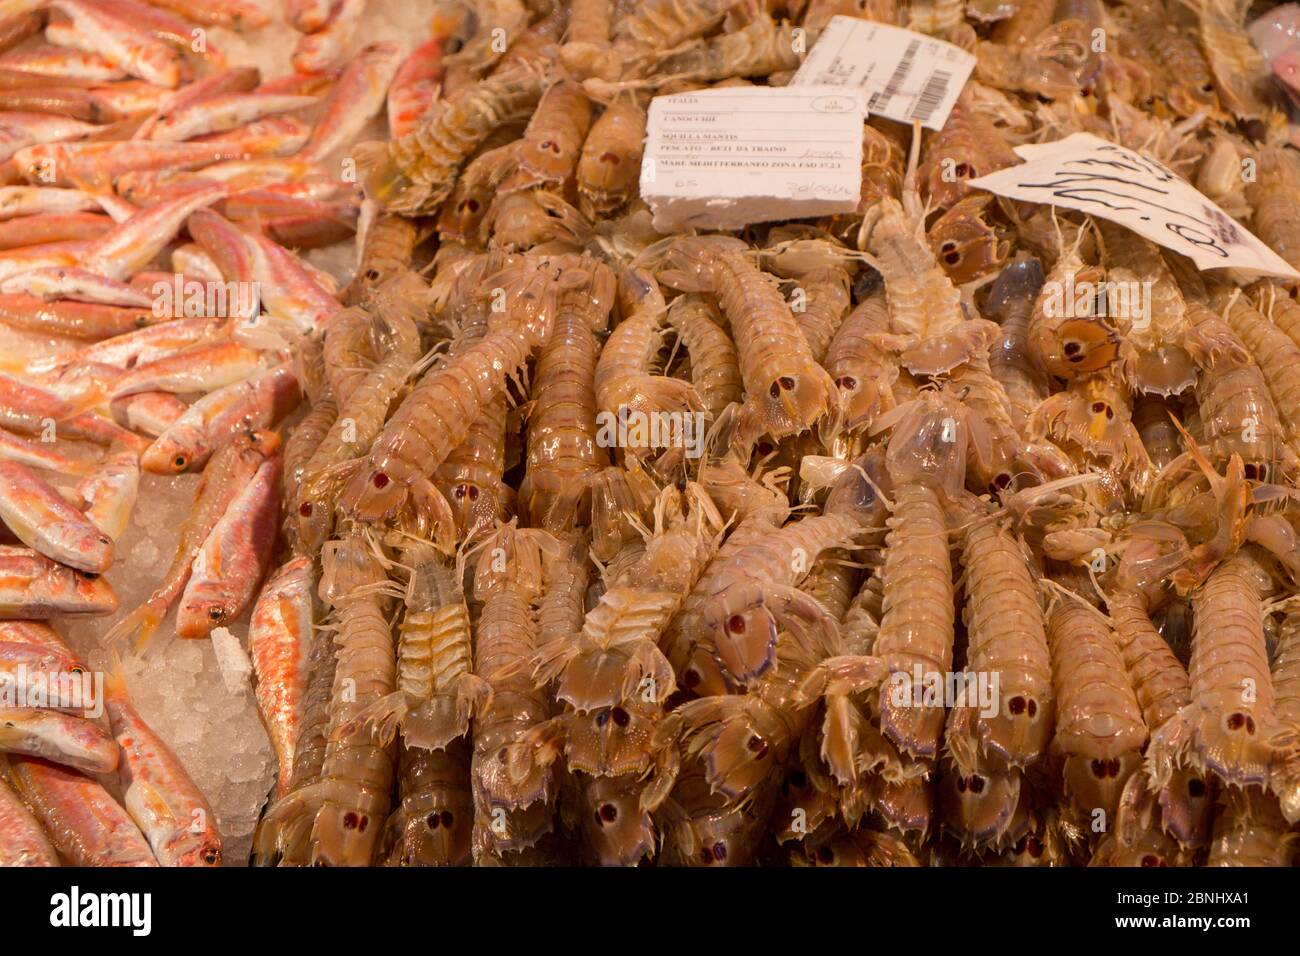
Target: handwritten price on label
[{"x": 1111, "y": 182}]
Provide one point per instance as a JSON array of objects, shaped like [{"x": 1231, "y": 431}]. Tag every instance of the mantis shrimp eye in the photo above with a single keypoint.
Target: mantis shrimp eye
[
  {"x": 847, "y": 382},
  {"x": 608, "y": 812},
  {"x": 1016, "y": 705},
  {"x": 1033, "y": 847},
  {"x": 620, "y": 716},
  {"x": 602, "y": 718},
  {"x": 350, "y": 820},
  {"x": 304, "y": 509},
  {"x": 473, "y": 493},
  {"x": 1098, "y": 769},
  {"x": 976, "y": 784},
  {"x": 1032, "y": 707},
  {"x": 1152, "y": 860},
  {"x": 448, "y": 818},
  {"x": 757, "y": 745},
  {"x": 961, "y": 784},
  {"x": 719, "y": 851},
  {"x": 461, "y": 491},
  {"x": 432, "y": 821},
  {"x": 1236, "y": 721},
  {"x": 469, "y": 205},
  {"x": 1112, "y": 767},
  {"x": 736, "y": 624},
  {"x": 379, "y": 480},
  {"x": 963, "y": 170}
]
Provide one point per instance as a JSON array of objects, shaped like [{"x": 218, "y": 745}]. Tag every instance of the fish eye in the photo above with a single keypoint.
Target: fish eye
[
  {"x": 216, "y": 614},
  {"x": 211, "y": 855}
]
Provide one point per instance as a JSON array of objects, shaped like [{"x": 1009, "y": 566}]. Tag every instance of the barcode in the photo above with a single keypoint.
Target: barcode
[
  {"x": 936, "y": 87},
  {"x": 880, "y": 100}
]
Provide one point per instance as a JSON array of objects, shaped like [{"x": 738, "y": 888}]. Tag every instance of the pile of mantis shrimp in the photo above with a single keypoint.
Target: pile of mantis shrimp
[{"x": 537, "y": 645}]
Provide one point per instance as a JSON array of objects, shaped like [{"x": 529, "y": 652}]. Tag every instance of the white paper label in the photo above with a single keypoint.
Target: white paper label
[
  {"x": 1106, "y": 180},
  {"x": 721, "y": 159},
  {"x": 906, "y": 76}
]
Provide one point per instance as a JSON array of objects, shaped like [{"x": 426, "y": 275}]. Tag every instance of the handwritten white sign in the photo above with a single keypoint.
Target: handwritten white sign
[
  {"x": 1106, "y": 180},
  {"x": 721, "y": 159},
  {"x": 906, "y": 76}
]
